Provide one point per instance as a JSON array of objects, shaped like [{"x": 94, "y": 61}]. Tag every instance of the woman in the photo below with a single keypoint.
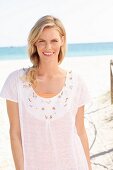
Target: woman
[{"x": 45, "y": 106}]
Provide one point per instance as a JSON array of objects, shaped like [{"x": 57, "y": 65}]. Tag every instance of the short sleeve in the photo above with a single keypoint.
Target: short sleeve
[
  {"x": 84, "y": 96},
  {"x": 9, "y": 89}
]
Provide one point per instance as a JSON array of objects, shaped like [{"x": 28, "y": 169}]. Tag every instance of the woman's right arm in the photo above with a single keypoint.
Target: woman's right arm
[{"x": 15, "y": 134}]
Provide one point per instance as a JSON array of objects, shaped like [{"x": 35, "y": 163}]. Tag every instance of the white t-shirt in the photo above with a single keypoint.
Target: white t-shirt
[{"x": 49, "y": 136}]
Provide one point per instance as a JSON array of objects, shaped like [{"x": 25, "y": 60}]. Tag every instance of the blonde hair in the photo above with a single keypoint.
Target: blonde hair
[{"x": 47, "y": 21}]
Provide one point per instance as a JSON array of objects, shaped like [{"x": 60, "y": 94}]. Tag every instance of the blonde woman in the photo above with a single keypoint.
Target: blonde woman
[{"x": 45, "y": 105}]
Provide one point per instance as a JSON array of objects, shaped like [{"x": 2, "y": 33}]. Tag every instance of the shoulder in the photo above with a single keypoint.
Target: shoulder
[
  {"x": 81, "y": 89},
  {"x": 20, "y": 72},
  {"x": 23, "y": 71},
  {"x": 79, "y": 81},
  {"x": 12, "y": 76},
  {"x": 15, "y": 75},
  {"x": 77, "y": 77}
]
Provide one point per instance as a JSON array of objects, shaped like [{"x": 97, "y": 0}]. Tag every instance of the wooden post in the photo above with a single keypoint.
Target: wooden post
[{"x": 111, "y": 77}]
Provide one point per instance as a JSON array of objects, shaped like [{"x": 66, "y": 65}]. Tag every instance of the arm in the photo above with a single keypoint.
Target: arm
[
  {"x": 15, "y": 134},
  {"x": 82, "y": 133}
]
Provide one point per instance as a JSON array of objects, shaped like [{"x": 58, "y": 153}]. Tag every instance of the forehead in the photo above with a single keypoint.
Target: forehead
[{"x": 49, "y": 32}]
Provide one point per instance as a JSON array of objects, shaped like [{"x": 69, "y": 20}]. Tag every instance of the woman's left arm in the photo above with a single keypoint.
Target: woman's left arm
[{"x": 82, "y": 133}]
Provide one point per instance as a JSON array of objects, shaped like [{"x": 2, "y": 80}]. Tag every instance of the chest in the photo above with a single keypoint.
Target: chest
[
  {"x": 52, "y": 107},
  {"x": 49, "y": 86}
]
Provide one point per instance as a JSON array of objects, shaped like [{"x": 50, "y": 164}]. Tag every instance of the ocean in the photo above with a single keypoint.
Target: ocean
[{"x": 73, "y": 50}]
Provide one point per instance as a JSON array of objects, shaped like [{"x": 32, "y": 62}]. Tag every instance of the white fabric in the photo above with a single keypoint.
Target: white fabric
[
  {"x": 9, "y": 90},
  {"x": 49, "y": 136}
]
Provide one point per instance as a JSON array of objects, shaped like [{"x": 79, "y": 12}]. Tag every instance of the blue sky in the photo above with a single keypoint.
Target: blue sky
[{"x": 84, "y": 20}]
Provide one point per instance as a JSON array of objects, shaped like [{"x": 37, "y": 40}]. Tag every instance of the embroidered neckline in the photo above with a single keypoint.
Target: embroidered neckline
[
  {"x": 58, "y": 95},
  {"x": 49, "y": 108}
]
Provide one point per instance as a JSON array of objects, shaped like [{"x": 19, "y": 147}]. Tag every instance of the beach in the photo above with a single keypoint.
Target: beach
[{"x": 95, "y": 71}]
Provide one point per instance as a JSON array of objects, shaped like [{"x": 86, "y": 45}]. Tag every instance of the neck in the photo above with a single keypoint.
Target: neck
[{"x": 48, "y": 69}]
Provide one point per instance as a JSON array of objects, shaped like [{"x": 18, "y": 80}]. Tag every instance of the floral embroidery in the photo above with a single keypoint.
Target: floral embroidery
[{"x": 49, "y": 108}]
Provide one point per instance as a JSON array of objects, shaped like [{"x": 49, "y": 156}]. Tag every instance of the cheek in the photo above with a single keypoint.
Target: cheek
[
  {"x": 39, "y": 48},
  {"x": 58, "y": 47}
]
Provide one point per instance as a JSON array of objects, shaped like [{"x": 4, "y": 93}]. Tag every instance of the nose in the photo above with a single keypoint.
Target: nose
[{"x": 48, "y": 46}]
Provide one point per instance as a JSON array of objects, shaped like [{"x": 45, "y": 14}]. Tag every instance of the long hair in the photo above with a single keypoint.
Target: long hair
[{"x": 47, "y": 21}]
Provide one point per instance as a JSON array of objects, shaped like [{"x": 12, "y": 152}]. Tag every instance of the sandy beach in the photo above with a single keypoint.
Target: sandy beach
[{"x": 98, "y": 113}]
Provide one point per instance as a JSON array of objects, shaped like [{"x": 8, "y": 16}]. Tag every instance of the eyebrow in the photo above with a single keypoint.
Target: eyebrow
[{"x": 45, "y": 40}]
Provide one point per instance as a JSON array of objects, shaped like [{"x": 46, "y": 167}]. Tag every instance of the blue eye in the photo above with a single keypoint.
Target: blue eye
[
  {"x": 54, "y": 40},
  {"x": 40, "y": 41}
]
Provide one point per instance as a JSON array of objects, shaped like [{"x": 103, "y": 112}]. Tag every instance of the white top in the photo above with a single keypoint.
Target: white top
[{"x": 49, "y": 137}]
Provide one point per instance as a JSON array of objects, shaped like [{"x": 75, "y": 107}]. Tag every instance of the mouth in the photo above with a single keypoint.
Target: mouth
[{"x": 48, "y": 53}]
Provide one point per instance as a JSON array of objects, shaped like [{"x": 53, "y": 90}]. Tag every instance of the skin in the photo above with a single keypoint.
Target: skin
[
  {"x": 15, "y": 134},
  {"x": 79, "y": 123},
  {"x": 51, "y": 81}
]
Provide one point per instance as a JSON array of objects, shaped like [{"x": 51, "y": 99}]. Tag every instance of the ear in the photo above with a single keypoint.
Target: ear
[{"x": 62, "y": 40}]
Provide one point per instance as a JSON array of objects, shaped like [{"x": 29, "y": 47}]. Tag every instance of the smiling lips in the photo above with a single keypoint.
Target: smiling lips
[{"x": 48, "y": 53}]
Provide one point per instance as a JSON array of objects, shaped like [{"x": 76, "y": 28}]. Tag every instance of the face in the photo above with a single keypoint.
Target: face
[{"x": 49, "y": 43}]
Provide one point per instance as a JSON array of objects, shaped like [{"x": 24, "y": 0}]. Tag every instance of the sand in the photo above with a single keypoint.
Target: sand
[{"x": 98, "y": 113}]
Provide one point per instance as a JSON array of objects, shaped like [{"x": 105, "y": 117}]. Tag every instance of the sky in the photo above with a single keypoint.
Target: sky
[{"x": 85, "y": 21}]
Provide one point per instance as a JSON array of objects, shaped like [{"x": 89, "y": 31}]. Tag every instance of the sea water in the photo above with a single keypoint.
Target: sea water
[{"x": 73, "y": 50}]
